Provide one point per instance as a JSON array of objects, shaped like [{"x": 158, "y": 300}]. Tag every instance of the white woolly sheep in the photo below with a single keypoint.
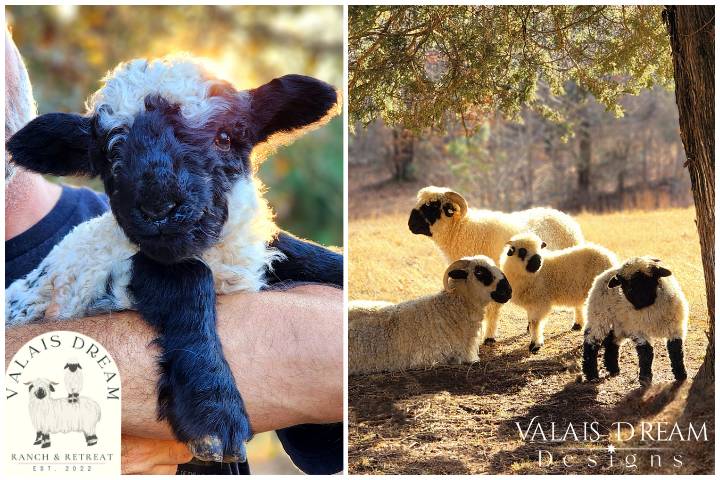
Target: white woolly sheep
[
  {"x": 649, "y": 304},
  {"x": 444, "y": 327},
  {"x": 459, "y": 231},
  {"x": 560, "y": 278},
  {"x": 56, "y": 415},
  {"x": 73, "y": 379}
]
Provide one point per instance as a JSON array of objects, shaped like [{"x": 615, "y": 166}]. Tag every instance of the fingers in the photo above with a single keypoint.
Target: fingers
[{"x": 151, "y": 456}]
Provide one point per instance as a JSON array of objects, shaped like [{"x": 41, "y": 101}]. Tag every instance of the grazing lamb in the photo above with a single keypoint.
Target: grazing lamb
[
  {"x": 649, "y": 304},
  {"x": 559, "y": 278},
  {"x": 176, "y": 148},
  {"x": 437, "y": 328},
  {"x": 459, "y": 231},
  {"x": 56, "y": 415},
  {"x": 73, "y": 379}
]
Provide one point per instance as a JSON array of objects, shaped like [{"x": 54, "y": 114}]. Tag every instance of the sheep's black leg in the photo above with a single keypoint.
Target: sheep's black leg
[
  {"x": 645, "y": 355},
  {"x": 590, "y": 354},
  {"x": 45, "y": 440},
  {"x": 90, "y": 439},
  {"x": 677, "y": 358},
  {"x": 612, "y": 351},
  {"x": 196, "y": 390},
  {"x": 306, "y": 262},
  {"x": 38, "y": 438}
]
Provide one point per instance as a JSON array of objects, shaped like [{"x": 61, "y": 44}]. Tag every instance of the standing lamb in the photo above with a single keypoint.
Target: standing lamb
[
  {"x": 649, "y": 304},
  {"x": 459, "y": 231},
  {"x": 559, "y": 278},
  {"x": 444, "y": 327},
  {"x": 56, "y": 415},
  {"x": 73, "y": 379}
]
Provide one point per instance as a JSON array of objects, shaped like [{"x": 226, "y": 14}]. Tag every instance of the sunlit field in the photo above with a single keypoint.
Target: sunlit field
[{"x": 461, "y": 419}]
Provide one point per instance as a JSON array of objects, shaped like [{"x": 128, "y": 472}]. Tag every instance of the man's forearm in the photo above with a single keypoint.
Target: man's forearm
[{"x": 284, "y": 348}]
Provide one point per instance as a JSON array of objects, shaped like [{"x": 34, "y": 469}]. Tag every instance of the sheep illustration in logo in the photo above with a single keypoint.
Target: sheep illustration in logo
[{"x": 73, "y": 379}]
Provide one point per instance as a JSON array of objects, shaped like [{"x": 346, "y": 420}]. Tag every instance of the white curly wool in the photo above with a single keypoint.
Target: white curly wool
[
  {"x": 444, "y": 327},
  {"x": 471, "y": 231}
]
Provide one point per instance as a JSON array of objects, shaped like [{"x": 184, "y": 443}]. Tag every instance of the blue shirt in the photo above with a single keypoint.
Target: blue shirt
[{"x": 315, "y": 449}]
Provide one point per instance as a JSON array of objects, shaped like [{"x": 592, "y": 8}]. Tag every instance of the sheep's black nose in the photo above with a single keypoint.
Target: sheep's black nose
[
  {"x": 157, "y": 211},
  {"x": 503, "y": 291},
  {"x": 418, "y": 224},
  {"x": 40, "y": 393}
]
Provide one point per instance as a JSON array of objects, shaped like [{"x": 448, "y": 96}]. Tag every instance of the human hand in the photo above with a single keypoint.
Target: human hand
[{"x": 150, "y": 456}]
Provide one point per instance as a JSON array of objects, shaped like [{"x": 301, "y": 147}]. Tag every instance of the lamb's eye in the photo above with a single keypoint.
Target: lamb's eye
[{"x": 222, "y": 141}]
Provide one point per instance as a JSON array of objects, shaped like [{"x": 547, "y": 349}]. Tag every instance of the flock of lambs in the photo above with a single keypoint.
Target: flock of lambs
[{"x": 537, "y": 258}]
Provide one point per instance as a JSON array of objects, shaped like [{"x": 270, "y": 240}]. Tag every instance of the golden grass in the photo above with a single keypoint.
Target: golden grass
[{"x": 460, "y": 419}]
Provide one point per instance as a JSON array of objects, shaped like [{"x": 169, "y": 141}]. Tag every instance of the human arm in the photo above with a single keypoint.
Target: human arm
[{"x": 284, "y": 349}]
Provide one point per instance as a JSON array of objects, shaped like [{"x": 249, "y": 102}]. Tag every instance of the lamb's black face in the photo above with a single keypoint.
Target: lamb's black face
[
  {"x": 169, "y": 179},
  {"x": 640, "y": 289},
  {"x": 534, "y": 261},
  {"x": 169, "y": 183},
  {"x": 73, "y": 367}
]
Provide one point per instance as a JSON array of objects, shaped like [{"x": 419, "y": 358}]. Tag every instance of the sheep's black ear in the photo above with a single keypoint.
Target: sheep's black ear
[
  {"x": 52, "y": 389},
  {"x": 55, "y": 143},
  {"x": 511, "y": 251},
  {"x": 67, "y": 365},
  {"x": 658, "y": 272},
  {"x": 614, "y": 282},
  {"x": 290, "y": 104},
  {"x": 458, "y": 274},
  {"x": 30, "y": 385},
  {"x": 543, "y": 245},
  {"x": 79, "y": 366}
]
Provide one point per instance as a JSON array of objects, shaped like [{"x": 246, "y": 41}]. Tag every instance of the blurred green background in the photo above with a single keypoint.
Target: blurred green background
[{"x": 68, "y": 50}]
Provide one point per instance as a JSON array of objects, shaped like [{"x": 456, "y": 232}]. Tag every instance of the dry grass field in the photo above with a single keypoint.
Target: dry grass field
[{"x": 462, "y": 419}]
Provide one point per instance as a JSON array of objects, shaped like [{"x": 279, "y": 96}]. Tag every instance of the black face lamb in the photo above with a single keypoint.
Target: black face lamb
[{"x": 175, "y": 148}]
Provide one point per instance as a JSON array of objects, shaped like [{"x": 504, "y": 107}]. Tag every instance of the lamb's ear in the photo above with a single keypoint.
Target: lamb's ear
[
  {"x": 52, "y": 389},
  {"x": 288, "y": 106},
  {"x": 67, "y": 365},
  {"x": 30, "y": 385},
  {"x": 510, "y": 251},
  {"x": 658, "y": 272},
  {"x": 55, "y": 143},
  {"x": 543, "y": 245},
  {"x": 614, "y": 282}
]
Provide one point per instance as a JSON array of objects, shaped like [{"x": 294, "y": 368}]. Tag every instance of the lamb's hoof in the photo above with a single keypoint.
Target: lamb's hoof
[
  {"x": 45, "y": 445},
  {"x": 576, "y": 327},
  {"x": 646, "y": 381},
  {"x": 535, "y": 348},
  {"x": 208, "y": 448},
  {"x": 37, "y": 442},
  {"x": 489, "y": 341}
]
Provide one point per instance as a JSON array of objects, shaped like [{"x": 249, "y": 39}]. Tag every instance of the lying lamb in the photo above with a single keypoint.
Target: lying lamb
[
  {"x": 176, "y": 148},
  {"x": 559, "y": 278},
  {"x": 57, "y": 415},
  {"x": 649, "y": 304},
  {"x": 444, "y": 327},
  {"x": 459, "y": 231}
]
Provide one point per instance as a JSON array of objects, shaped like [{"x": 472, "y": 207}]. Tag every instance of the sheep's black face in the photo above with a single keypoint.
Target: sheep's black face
[
  {"x": 168, "y": 183},
  {"x": 73, "y": 367},
  {"x": 639, "y": 289},
  {"x": 169, "y": 180},
  {"x": 422, "y": 218}
]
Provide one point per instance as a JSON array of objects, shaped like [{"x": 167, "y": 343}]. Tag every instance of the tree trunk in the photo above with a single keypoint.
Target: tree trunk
[
  {"x": 584, "y": 161},
  {"x": 691, "y": 30},
  {"x": 402, "y": 154}
]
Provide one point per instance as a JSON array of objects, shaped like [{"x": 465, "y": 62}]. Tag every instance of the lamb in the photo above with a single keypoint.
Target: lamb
[
  {"x": 73, "y": 379},
  {"x": 649, "y": 304},
  {"x": 56, "y": 415},
  {"x": 554, "y": 278},
  {"x": 176, "y": 148},
  {"x": 459, "y": 231},
  {"x": 423, "y": 332}
]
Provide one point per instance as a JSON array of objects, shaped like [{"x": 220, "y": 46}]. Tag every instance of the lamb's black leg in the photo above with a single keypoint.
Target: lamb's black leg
[
  {"x": 612, "y": 351},
  {"x": 45, "y": 440},
  {"x": 38, "y": 438},
  {"x": 677, "y": 358},
  {"x": 306, "y": 262},
  {"x": 645, "y": 356},
  {"x": 590, "y": 353},
  {"x": 196, "y": 390}
]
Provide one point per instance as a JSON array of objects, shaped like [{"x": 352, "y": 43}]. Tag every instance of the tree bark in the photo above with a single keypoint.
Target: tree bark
[{"x": 691, "y": 30}]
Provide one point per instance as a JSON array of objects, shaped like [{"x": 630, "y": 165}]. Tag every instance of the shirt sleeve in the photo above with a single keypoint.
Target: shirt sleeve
[{"x": 314, "y": 449}]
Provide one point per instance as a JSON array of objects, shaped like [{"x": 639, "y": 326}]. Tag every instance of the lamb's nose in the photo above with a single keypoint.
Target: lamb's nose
[{"x": 157, "y": 211}]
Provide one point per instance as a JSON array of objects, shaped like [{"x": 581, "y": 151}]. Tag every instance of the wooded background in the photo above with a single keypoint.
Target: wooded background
[{"x": 69, "y": 49}]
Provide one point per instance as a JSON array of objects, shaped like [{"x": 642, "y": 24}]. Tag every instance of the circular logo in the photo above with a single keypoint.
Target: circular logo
[{"x": 62, "y": 407}]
